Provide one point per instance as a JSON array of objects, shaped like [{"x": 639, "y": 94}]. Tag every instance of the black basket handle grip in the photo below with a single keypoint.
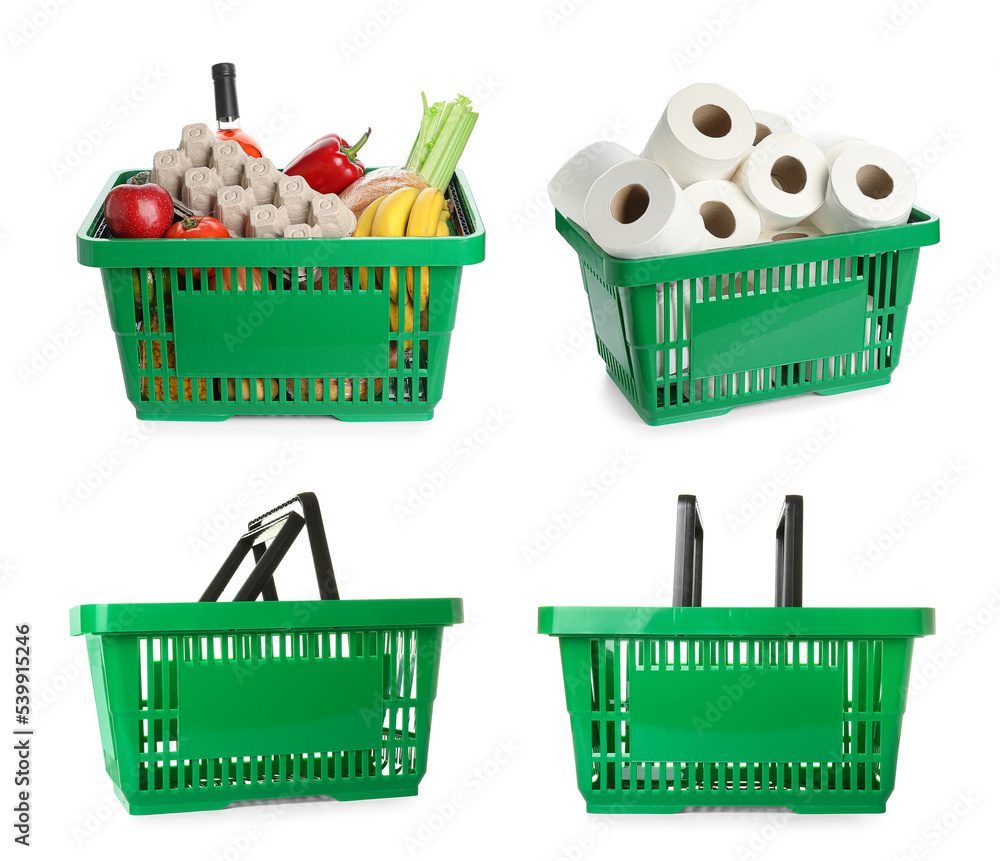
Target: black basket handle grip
[
  {"x": 281, "y": 532},
  {"x": 688, "y": 556},
  {"x": 325, "y": 577},
  {"x": 788, "y": 555}
]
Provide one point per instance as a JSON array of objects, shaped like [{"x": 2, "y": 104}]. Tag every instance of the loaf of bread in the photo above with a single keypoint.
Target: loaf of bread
[{"x": 376, "y": 183}]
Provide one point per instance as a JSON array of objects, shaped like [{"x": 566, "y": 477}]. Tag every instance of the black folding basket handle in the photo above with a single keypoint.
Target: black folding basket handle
[
  {"x": 281, "y": 532},
  {"x": 688, "y": 556},
  {"x": 788, "y": 555}
]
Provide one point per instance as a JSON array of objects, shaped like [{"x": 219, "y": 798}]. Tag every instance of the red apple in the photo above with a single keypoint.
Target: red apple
[{"x": 139, "y": 211}]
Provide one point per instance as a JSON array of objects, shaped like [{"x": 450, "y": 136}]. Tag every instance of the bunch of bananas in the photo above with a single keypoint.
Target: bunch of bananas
[{"x": 405, "y": 212}]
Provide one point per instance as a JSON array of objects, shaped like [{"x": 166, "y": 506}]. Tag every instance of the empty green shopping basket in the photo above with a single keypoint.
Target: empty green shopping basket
[
  {"x": 203, "y": 704},
  {"x": 693, "y": 706},
  {"x": 213, "y": 328},
  {"x": 693, "y": 335}
]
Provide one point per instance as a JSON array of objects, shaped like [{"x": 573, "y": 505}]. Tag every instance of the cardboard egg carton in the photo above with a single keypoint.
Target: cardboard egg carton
[{"x": 250, "y": 196}]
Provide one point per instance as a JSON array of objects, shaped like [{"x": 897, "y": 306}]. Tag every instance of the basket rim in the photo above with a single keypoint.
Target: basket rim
[
  {"x": 194, "y": 617},
  {"x": 721, "y": 622},
  {"x": 347, "y": 251},
  {"x": 923, "y": 230}
]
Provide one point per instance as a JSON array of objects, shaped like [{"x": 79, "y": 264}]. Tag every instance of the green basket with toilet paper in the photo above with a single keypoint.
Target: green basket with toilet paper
[
  {"x": 736, "y": 261},
  {"x": 688, "y": 336},
  {"x": 691, "y": 706},
  {"x": 202, "y": 704}
]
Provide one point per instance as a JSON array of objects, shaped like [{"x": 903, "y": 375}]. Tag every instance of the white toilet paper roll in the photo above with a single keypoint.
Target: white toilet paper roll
[
  {"x": 568, "y": 188},
  {"x": 728, "y": 215},
  {"x": 799, "y": 231},
  {"x": 636, "y": 210},
  {"x": 785, "y": 176},
  {"x": 832, "y": 144},
  {"x": 769, "y": 123},
  {"x": 792, "y": 274},
  {"x": 704, "y": 133},
  {"x": 827, "y": 271},
  {"x": 869, "y": 187}
]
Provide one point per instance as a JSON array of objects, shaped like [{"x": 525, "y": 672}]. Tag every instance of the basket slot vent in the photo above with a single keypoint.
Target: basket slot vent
[
  {"x": 676, "y": 390},
  {"x": 160, "y": 718},
  {"x": 613, "y": 772},
  {"x": 153, "y": 355}
]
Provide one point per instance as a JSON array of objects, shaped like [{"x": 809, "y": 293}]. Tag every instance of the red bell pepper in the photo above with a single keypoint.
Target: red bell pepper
[{"x": 329, "y": 165}]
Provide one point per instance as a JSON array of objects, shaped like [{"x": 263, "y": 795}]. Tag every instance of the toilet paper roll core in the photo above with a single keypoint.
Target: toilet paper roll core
[
  {"x": 874, "y": 182},
  {"x": 629, "y": 203},
  {"x": 718, "y": 217}
]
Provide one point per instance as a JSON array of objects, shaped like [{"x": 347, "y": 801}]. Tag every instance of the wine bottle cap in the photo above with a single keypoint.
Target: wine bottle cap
[{"x": 227, "y": 108}]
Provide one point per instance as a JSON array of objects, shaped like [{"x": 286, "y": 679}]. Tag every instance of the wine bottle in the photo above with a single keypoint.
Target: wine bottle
[{"x": 227, "y": 109}]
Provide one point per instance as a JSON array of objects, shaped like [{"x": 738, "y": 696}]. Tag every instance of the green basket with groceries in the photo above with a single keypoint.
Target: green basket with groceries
[
  {"x": 735, "y": 261},
  {"x": 235, "y": 288}
]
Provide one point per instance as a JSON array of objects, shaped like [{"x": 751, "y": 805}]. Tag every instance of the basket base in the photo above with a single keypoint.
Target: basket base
[
  {"x": 659, "y": 419},
  {"x": 156, "y": 416},
  {"x": 691, "y": 412},
  {"x": 622, "y": 808},
  {"x": 385, "y": 417},
  {"x": 854, "y": 387},
  {"x": 214, "y": 800},
  {"x": 147, "y": 416},
  {"x": 867, "y": 807},
  {"x": 605, "y": 809}
]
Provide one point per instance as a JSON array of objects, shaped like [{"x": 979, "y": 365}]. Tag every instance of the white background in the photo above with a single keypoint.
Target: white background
[{"x": 918, "y": 78}]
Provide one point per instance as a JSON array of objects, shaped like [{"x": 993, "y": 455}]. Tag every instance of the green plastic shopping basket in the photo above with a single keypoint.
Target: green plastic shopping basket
[
  {"x": 693, "y": 335},
  {"x": 203, "y": 704},
  {"x": 297, "y": 335},
  {"x": 695, "y": 707}
]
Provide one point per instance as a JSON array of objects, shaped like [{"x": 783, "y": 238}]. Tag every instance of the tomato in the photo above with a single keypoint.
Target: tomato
[{"x": 198, "y": 227}]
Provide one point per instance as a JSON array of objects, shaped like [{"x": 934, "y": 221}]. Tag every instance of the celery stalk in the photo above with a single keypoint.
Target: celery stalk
[
  {"x": 416, "y": 154},
  {"x": 438, "y": 110},
  {"x": 425, "y": 136},
  {"x": 445, "y": 128}
]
